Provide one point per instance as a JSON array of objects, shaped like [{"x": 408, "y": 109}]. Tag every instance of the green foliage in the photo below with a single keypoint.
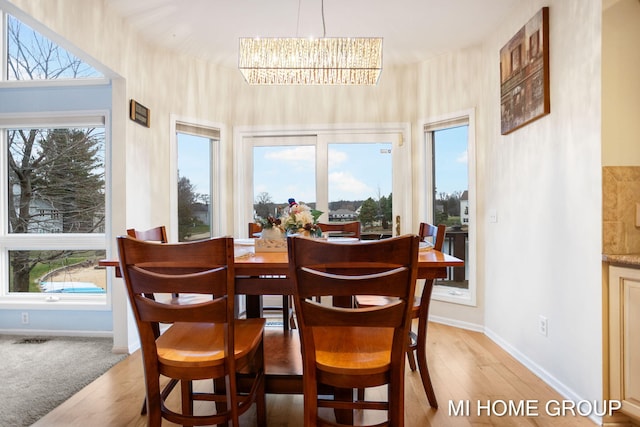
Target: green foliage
[{"x": 368, "y": 212}]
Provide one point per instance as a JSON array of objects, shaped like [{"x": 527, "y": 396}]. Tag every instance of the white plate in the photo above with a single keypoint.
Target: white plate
[
  {"x": 244, "y": 242},
  {"x": 425, "y": 246},
  {"x": 343, "y": 239}
]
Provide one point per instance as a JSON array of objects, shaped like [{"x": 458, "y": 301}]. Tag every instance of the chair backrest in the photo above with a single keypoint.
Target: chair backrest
[
  {"x": 254, "y": 228},
  {"x": 156, "y": 234},
  {"x": 200, "y": 267},
  {"x": 345, "y": 227},
  {"x": 382, "y": 267},
  {"x": 435, "y": 232}
]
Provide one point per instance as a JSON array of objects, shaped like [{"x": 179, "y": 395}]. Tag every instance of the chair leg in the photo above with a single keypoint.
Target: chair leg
[
  {"x": 286, "y": 313},
  {"x": 413, "y": 342},
  {"x": 261, "y": 406},
  {"x": 143, "y": 411},
  {"x": 344, "y": 416},
  {"x": 186, "y": 392},
  {"x": 421, "y": 354},
  {"x": 290, "y": 314}
]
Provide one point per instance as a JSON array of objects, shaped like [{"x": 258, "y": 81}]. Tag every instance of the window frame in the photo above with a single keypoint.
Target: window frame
[
  {"x": 53, "y": 241},
  {"x": 426, "y": 205},
  {"x": 399, "y": 134},
  {"x": 217, "y": 173}
]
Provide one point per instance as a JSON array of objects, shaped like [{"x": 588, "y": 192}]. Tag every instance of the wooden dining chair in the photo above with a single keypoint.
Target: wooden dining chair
[
  {"x": 352, "y": 228},
  {"x": 155, "y": 234},
  {"x": 288, "y": 318},
  {"x": 349, "y": 348},
  {"x": 416, "y": 347},
  {"x": 254, "y": 227},
  {"x": 204, "y": 340}
]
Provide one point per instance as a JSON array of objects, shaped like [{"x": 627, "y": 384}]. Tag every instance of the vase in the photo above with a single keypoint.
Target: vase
[{"x": 271, "y": 234}]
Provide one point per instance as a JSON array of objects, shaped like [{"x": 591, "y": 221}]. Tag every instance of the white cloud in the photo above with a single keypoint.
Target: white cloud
[
  {"x": 337, "y": 157},
  {"x": 345, "y": 183},
  {"x": 463, "y": 157},
  {"x": 293, "y": 154}
]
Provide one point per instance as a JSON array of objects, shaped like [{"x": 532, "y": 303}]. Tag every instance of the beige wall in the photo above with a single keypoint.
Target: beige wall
[
  {"x": 620, "y": 84},
  {"x": 544, "y": 180}
]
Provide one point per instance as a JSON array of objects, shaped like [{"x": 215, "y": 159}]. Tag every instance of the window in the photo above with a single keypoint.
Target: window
[
  {"x": 32, "y": 56},
  {"x": 55, "y": 209},
  {"x": 197, "y": 153},
  {"x": 53, "y": 173},
  {"x": 283, "y": 168},
  {"x": 347, "y": 174},
  {"x": 450, "y": 163}
]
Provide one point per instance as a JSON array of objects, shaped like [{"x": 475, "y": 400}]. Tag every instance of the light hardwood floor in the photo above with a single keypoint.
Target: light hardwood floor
[{"x": 464, "y": 365}]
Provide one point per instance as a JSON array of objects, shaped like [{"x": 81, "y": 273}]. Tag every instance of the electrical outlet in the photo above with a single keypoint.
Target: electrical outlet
[
  {"x": 543, "y": 325},
  {"x": 25, "y": 318}
]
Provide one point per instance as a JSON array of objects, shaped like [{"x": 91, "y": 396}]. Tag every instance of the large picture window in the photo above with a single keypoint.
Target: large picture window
[
  {"x": 54, "y": 167},
  {"x": 55, "y": 209}
]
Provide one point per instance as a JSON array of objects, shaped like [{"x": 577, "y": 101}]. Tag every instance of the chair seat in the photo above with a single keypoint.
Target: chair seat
[
  {"x": 179, "y": 346},
  {"x": 353, "y": 350},
  {"x": 377, "y": 300}
]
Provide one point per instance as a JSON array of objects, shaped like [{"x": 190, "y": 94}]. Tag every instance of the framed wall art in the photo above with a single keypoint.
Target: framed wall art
[{"x": 524, "y": 74}]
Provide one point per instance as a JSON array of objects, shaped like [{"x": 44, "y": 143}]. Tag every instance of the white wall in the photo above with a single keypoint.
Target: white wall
[{"x": 542, "y": 257}]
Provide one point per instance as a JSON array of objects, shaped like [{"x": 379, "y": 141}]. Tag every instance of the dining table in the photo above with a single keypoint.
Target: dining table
[{"x": 266, "y": 273}]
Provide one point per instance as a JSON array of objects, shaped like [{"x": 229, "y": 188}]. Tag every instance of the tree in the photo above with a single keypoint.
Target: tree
[
  {"x": 34, "y": 57},
  {"x": 386, "y": 211},
  {"x": 56, "y": 176},
  {"x": 263, "y": 205},
  {"x": 368, "y": 212},
  {"x": 56, "y": 184},
  {"x": 71, "y": 178},
  {"x": 187, "y": 198}
]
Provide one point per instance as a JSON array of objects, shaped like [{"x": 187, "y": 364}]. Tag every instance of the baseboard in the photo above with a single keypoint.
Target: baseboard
[
  {"x": 57, "y": 333},
  {"x": 457, "y": 323},
  {"x": 536, "y": 369},
  {"x": 541, "y": 373}
]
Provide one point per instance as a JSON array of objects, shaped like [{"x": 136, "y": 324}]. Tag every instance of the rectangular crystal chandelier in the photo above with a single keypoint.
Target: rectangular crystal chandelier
[{"x": 321, "y": 61}]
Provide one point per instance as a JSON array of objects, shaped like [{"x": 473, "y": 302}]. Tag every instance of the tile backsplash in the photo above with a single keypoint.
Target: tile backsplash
[{"x": 620, "y": 194}]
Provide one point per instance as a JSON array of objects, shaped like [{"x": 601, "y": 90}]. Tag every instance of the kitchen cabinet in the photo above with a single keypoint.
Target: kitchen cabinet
[{"x": 623, "y": 318}]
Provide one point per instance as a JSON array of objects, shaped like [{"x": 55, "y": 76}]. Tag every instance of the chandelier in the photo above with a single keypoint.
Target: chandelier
[{"x": 309, "y": 61}]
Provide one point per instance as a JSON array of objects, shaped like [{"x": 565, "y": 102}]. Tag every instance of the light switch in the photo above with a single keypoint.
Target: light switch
[{"x": 493, "y": 215}]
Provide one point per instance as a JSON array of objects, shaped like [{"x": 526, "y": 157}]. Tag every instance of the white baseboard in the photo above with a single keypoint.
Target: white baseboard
[
  {"x": 57, "y": 333},
  {"x": 456, "y": 323},
  {"x": 550, "y": 380},
  {"x": 536, "y": 369}
]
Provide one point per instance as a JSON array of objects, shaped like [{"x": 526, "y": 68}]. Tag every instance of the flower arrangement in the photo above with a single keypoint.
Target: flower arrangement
[
  {"x": 300, "y": 218},
  {"x": 271, "y": 222}
]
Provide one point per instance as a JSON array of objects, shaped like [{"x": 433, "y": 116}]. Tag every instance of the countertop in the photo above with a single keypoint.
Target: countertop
[{"x": 629, "y": 260}]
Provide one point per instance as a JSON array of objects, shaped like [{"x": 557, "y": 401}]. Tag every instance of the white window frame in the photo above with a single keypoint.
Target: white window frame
[
  {"x": 424, "y": 152},
  {"x": 399, "y": 135},
  {"x": 9, "y": 241}
]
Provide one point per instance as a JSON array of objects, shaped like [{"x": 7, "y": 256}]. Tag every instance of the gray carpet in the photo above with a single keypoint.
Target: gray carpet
[{"x": 39, "y": 373}]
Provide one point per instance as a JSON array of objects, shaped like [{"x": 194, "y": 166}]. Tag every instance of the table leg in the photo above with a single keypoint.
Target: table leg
[{"x": 254, "y": 306}]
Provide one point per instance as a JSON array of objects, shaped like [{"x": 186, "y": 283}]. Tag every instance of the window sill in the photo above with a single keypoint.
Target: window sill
[
  {"x": 453, "y": 295},
  {"x": 56, "y": 302}
]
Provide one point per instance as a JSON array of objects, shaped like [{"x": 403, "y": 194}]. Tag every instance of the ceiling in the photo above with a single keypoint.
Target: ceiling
[{"x": 413, "y": 30}]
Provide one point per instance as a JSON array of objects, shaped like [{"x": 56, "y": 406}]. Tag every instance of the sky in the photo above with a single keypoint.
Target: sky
[{"x": 356, "y": 171}]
